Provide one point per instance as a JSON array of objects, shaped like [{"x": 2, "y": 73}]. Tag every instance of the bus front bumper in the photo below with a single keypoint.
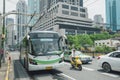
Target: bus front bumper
[{"x": 45, "y": 67}]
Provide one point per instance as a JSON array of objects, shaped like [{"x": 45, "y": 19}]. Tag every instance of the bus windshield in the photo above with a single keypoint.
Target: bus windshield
[{"x": 42, "y": 46}]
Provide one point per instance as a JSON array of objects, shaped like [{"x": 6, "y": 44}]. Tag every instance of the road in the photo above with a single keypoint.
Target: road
[{"x": 90, "y": 72}]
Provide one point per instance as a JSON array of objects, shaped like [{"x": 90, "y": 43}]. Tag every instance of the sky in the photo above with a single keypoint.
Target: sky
[{"x": 94, "y": 7}]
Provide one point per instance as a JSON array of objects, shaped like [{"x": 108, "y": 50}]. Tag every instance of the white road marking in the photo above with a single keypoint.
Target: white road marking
[
  {"x": 111, "y": 75},
  {"x": 89, "y": 69},
  {"x": 67, "y": 76}
]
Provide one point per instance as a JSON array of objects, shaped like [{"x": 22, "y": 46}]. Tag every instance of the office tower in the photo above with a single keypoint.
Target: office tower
[
  {"x": 21, "y": 20},
  {"x": 113, "y": 14},
  {"x": 10, "y": 32}
]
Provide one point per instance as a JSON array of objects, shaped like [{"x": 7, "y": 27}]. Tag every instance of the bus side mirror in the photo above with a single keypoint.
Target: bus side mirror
[{"x": 27, "y": 40}]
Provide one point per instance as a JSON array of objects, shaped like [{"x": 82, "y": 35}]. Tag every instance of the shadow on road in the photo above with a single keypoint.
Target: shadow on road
[
  {"x": 19, "y": 72},
  {"x": 112, "y": 72}
]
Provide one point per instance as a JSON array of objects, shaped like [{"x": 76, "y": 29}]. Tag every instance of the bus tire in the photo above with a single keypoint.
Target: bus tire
[{"x": 25, "y": 64}]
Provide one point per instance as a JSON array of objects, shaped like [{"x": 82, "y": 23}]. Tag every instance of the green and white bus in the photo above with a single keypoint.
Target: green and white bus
[{"x": 42, "y": 50}]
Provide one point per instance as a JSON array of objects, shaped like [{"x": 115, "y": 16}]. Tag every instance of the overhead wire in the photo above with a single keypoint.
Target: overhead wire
[
  {"x": 31, "y": 18},
  {"x": 38, "y": 19}
]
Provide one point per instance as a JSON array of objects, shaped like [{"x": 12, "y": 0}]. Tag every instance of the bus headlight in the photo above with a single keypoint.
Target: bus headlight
[{"x": 32, "y": 62}]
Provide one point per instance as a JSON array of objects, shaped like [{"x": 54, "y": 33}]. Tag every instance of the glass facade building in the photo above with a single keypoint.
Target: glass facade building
[
  {"x": 113, "y": 14},
  {"x": 33, "y": 7}
]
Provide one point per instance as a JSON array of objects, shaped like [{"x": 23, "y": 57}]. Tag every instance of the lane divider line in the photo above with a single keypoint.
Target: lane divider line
[{"x": 8, "y": 69}]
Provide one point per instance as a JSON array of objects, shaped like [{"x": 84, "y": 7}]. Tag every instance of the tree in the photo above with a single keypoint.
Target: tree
[
  {"x": 85, "y": 39},
  {"x": 100, "y": 36}
]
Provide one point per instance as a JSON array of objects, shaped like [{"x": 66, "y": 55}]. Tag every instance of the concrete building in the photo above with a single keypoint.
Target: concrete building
[
  {"x": 21, "y": 20},
  {"x": 112, "y": 14},
  {"x": 108, "y": 42},
  {"x": 65, "y": 17},
  {"x": 10, "y": 32}
]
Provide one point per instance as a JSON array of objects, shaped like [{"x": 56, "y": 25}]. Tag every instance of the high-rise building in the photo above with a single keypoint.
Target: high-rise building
[
  {"x": 113, "y": 14},
  {"x": 10, "y": 32},
  {"x": 46, "y": 4},
  {"x": 98, "y": 21},
  {"x": 64, "y": 16},
  {"x": 34, "y": 8},
  {"x": 21, "y": 20}
]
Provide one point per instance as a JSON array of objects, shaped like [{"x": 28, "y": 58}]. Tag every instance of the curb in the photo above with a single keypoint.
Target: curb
[{"x": 8, "y": 70}]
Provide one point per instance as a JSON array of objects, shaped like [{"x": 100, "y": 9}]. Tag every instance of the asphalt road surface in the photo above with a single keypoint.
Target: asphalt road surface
[{"x": 90, "y": 72}]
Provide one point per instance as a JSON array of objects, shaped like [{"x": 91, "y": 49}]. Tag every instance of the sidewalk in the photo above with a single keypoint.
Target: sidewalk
[
  {"x": 6, "y": 71},
  {"x": 3, "y": 71}
]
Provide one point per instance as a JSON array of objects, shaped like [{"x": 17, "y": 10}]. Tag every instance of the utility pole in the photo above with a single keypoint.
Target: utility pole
[{"x": 3, "y": 32}]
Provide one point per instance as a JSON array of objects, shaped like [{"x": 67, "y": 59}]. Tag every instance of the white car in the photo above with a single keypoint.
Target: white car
[
  {"x": 84, "y": 58},
  {"x": 110, "y": 62}
]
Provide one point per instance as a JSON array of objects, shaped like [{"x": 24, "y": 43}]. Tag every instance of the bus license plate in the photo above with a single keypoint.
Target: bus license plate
[{"x": 49, "y": 68}]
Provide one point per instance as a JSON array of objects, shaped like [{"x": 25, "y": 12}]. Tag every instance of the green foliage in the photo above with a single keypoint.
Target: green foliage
[
  {"x": 99, "y": 49},
  {"x": 115, "y": 35},
  {"x": 81, "y": 40},
  {"x": 104, "y": 35},
  {"x": 103, "y": 49},
  {"x": 85, "y": 39},
  {"x": 107, "y": 49},
  {"x": 70, "y": 39}
]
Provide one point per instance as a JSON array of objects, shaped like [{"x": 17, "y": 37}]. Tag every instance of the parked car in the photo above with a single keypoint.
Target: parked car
[
  {"x": 84, "y": 58},
  {"x": 12, "y": 49},
  {"x": 110, "y": 61}
]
